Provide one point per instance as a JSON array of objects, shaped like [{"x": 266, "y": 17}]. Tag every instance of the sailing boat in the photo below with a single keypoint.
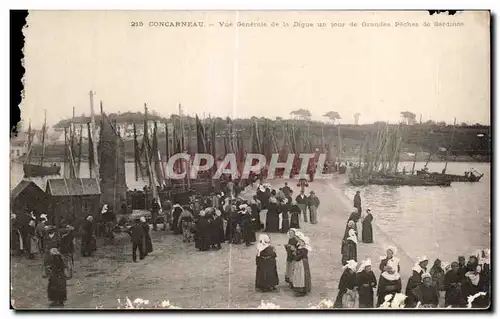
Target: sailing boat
[
  {"x": 467, "y": 177},
  {"x": 39, "y": 170},
  {"x": 111, "y": 156}
]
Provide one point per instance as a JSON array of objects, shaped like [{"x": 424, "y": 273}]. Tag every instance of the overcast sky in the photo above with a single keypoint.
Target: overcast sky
[{"x": 438, "y": 72}]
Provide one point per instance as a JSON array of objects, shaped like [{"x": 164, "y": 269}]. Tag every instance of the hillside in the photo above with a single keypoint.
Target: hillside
[{"x": 470, "y": 143}]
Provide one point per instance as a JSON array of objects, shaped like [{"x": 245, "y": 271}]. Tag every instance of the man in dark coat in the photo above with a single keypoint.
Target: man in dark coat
[
  {"x": 155, "y": 208},
  {"x": 287, "y": 190},
  {"x": 87, "y": 237},
  {"x": 302, "y": 201},
  {"x": 357, "y": 202},
  {"x": 137, "y": 237},
  {"x": 67, "y": 247}
]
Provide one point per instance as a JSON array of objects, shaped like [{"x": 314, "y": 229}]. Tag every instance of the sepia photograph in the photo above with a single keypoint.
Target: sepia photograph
[{"x": 328, "y": 160}]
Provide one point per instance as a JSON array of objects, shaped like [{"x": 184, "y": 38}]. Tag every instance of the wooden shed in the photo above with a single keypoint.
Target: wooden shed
[
  {"x": 27, "y": 197},
  {"x": 73, "y": 199}
]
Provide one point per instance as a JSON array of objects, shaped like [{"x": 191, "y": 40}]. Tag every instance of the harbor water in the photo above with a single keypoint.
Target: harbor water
[{"x": 440, "y": 222}]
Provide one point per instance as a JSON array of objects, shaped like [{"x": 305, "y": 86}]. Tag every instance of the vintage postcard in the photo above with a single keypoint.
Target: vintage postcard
[{"x": 253, "y": 159}]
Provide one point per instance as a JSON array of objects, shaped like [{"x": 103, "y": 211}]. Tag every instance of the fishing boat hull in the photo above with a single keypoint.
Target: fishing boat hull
[
  {"x": 32, "y": 170},
  {"x": 453, "y": 177},
  {"x": 400, "y": 181}
]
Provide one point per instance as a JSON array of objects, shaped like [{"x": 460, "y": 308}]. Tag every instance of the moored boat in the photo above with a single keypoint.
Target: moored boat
[
  {"x": 33, "y": 170},
  {"x": 399, "y": 180},
  {"x": 38, "y": 170},
  {"x": 467, "y": 177}
]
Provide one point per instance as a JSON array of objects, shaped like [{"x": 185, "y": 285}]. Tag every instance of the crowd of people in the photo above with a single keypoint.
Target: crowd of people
[
  {"x": 443, "y": 285},
  {"x": 225, "y": 217}
]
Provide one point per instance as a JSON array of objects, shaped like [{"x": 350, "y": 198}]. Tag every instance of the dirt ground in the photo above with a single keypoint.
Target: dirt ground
[{"x": 176, "y": 271}]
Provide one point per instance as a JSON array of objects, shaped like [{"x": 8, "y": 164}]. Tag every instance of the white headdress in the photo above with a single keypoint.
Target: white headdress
[
  {"x": 393, "y": 249},
  {"x": 351, "y": 264},
  {"x": 202, "y": 213},
  {"x": 426, "y": 275},
  {"x": 264, "y": 242},
  {"x": 352, "y": 236},
  {"x": 142, "y": 219},
  {"x": 364, "y": 264},
  {"x": 104, "y": 209}
]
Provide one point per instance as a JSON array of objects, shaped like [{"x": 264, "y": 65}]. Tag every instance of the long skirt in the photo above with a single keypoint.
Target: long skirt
[
  {"x": 56, "y": 290},
  {"x": 313, "y": 210},
  {"x": 350, "y": 299},
  {"x": 33, "y": 242},
  {"x": 366, "y": 297},
  {"x": 285, "y": 225},
  {"x": 301, "y": 278},
  {"x": 294, "y": 220},
  {"x": 349, "y": 251},
  {"x": 266, "y": 277},
  {"x": 289, "y": 271},
  {"x": 148, "y": 245},
  {"x": 367, "y": 233}
]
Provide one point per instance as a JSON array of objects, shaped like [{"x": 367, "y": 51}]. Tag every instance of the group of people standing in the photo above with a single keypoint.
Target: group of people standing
[
  {"x": 33, "y": 235},
  {"x": 447, "y": 285},
  {"x": 298, "y": 273}
]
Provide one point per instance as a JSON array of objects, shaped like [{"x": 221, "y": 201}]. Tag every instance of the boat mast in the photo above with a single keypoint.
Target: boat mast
[
  {"x": 43, "y": 136},
  {"x": 451, "y": 145},
  {"x": 30, "y": 142},
  {"x": 94, "y": 141},
  {"x": 93, "y": 135}
]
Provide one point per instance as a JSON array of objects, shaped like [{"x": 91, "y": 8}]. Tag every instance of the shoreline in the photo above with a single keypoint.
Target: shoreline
[{"x": 335, "y": 217}]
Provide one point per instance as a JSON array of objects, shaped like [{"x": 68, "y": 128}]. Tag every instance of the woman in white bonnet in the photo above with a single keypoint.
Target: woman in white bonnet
[
  {"x": 301, "y": 273},
  {"x": 366, "y": 283},
  {"x": 391, "y": 252},
  {"x": 347, "y": 283},
  {"x": 266, "y": 277},
  {"x": 389, "y": 283}
]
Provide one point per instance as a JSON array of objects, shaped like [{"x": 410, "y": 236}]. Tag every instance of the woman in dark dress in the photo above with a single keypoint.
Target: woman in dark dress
[
  {"x": 367, "y": 231},
  {"x": 266, "y": 277},
  {"x": 474, "y": 283},
  {"x": 290, "y": 248},
  {"x": 453, "y": 286},
  {"x": 272, "y": 217},
  {"x": 347, "y": 282},
  {"x": 391, "y": 252},
  {"x": 294, "y": 216},
  {"x": 175, "y": 219},
  {"x": 56, "y": 290},
  {"x": 350, "y": 247},
  {"x": 366, "y": 283},
  {"x": 285, "y": 220},
  {"x": 218, "y": 230},
  {"x": 426, "y": 293},
  {"x": 248, "y": 233},
  {"x": 202, "y": 239},
  {"x": 148, "y": 245},
  {"x": 389, "y": 283},
  {"x": 301, "y": 279},
  {"x": 254, "y": 206}
]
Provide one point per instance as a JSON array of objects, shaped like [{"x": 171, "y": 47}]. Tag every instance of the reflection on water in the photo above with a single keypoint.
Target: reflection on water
[
  {"x": 436, "y": 221},
  {"x": 439, "y": 222}
]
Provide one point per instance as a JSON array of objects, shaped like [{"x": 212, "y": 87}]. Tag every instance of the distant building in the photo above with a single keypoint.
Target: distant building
[{"x": 18, "y": 148}]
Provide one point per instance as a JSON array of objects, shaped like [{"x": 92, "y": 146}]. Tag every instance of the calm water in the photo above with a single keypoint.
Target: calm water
[
  {"x": 439, "y": 222},
  {"x": 448, "y": 221}
]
